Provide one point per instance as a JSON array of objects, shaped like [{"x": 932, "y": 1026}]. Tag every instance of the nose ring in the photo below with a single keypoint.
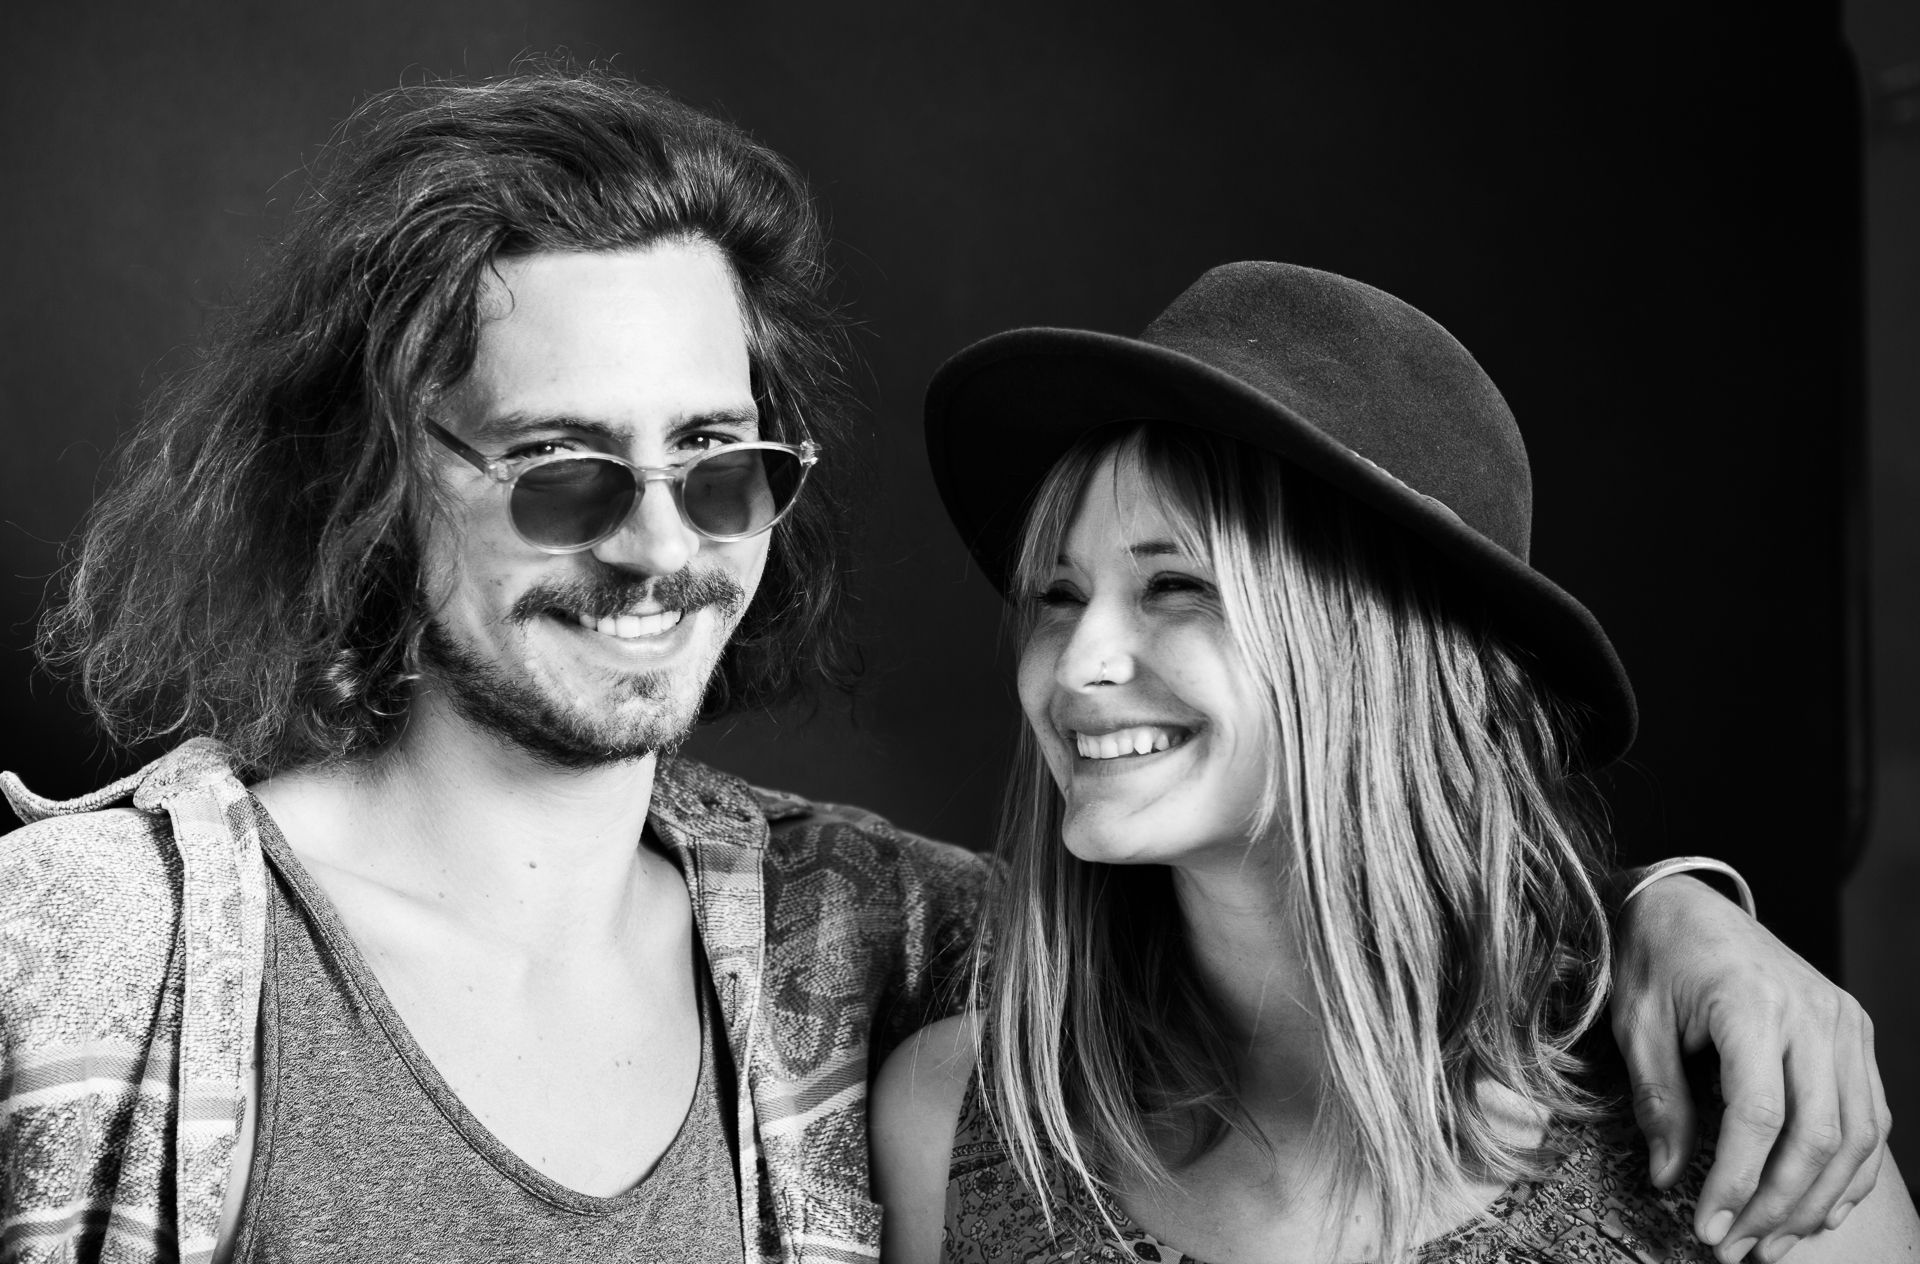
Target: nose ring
[{"x": 1100, "y": 676}]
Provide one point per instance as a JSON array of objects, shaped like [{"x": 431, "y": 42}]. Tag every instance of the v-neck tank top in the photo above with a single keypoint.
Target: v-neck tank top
[{"x": 363, "y": 1152}]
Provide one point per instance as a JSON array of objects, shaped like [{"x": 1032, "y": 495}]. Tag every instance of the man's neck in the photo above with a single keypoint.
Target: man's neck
[{"x": 452, "y": 814}]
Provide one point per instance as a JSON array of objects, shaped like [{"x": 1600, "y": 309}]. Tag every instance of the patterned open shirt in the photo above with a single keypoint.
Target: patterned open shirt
[{"x": 132, "y": 929}]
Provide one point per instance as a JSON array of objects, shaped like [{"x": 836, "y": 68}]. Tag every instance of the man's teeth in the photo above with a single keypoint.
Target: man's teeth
[
  {"x": 629, "y": 626},
  {"x": 1143, "y": 740}
]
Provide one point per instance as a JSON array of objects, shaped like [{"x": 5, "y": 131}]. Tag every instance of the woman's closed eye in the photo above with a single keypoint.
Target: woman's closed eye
[
  {"x": 1057, "y": 595},
  {"x": 1178, "y": 583},
  {"x": 1161, "y": 586},
  {"x": 1181, "y": 593}
]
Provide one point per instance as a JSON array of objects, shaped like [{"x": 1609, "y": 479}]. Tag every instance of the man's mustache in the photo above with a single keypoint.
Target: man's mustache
[{"x": 603, "y": 597}]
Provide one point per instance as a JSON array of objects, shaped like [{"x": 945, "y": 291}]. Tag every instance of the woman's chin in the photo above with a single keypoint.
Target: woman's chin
[{"x": 1114, "y": 842}]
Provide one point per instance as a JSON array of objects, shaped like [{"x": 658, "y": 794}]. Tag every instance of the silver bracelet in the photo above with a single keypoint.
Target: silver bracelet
[{"x": 1688, "y": 864}]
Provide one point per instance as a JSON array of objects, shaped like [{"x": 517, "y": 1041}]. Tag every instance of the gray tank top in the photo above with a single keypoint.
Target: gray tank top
[{"x": 363, "y": 1152}]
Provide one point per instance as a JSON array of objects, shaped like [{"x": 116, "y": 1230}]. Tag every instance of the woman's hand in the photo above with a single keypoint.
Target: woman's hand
[{"x": 1806, "y": 1119}]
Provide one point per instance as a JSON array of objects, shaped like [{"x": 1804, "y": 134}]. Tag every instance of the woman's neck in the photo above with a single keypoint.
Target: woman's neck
[
  {"x": 1247, "y": 951},
  {"x": 1274, "y": 1199},
  {"x": 1265, "y": 1198}
]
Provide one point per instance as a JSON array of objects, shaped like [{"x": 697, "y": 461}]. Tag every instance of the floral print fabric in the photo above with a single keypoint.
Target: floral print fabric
[{"x": 1595, "y": 1207}]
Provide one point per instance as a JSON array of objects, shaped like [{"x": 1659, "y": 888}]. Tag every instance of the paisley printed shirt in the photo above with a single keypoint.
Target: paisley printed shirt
[{"x": 132, "y": 928}]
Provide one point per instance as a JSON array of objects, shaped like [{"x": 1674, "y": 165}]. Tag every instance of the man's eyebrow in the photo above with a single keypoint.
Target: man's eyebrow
[
  {"x": 745, "y": 418},
  {"x": 510, "y": 426}
]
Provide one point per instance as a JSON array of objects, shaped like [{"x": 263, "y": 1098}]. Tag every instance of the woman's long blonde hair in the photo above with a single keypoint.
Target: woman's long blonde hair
[{"x": 1440, "y": 851}]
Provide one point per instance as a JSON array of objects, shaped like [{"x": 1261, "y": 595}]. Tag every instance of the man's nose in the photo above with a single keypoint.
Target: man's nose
[{"x": 654, "y": 540}]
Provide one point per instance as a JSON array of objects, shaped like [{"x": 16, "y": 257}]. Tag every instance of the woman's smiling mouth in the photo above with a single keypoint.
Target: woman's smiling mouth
[{"x": 1139, "y": 739}]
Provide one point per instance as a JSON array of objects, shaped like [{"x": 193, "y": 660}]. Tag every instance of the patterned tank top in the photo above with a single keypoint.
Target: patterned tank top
[
  {"x": 363, "y": 1152},
  {"x": 1595, "y": 1207}
]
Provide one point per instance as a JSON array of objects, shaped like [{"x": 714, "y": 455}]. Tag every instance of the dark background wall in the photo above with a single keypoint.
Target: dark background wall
[
  {"x": 1648, "y": 231},
  {"x": 1882, "y": 936}
]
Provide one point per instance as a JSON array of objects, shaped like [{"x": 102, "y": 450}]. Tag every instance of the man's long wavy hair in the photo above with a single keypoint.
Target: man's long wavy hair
[
  {"x": 1439, "y": 862},
  {"x": 252, "y": 573}
]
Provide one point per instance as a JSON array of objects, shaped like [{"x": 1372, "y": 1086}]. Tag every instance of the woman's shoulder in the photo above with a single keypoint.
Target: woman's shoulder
[
  {"x": 1599, "y": 1203},
  {"x": 1590, "y": 1196},
  {"x": 925, "y": 1078},
  {"x": 916, "y": 1104},
  {"x": 1600, "y": 1196}
]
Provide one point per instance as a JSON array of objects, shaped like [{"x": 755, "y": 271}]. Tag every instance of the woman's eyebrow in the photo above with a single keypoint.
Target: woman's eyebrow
[{"x": 1144, "y": 549}]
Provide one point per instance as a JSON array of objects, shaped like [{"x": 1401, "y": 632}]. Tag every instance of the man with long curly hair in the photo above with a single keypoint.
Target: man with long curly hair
[{"x": 516, "y": 464}]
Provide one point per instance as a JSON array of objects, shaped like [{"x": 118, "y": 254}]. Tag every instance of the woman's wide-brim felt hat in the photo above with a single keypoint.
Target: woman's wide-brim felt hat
[{"x": 1344, "y": 380}]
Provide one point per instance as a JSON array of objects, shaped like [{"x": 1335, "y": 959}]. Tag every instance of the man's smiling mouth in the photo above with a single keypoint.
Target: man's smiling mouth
[
  {"x": 633, "y": 610},
  {"x": 1139, "y": 739},
  {"x": 629, "y": 627}
]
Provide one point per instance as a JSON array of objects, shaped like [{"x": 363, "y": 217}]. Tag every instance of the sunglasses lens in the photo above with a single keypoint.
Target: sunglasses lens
[
  {"x": 739, "y": 493},
  {"x": 565, "y": 504}
]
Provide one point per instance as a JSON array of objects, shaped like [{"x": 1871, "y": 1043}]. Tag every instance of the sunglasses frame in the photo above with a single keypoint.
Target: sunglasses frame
[{"x": 675, "y": 476}]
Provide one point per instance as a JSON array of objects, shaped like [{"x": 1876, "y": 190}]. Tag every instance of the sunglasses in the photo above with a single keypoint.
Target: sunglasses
[{"x": 573, "y": 500}]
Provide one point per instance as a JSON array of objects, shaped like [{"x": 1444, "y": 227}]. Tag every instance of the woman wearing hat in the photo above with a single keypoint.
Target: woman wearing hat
[{"x": 1300, "y": 932}]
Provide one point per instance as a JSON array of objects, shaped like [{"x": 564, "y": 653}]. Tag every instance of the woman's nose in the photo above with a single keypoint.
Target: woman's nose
[{"x": 1100, "y": 651}]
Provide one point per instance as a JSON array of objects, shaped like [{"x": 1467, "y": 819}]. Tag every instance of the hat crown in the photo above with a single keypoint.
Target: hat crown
[
  {"x": 1372, "y": 373},
  {"x": 1347, "y": 383}
]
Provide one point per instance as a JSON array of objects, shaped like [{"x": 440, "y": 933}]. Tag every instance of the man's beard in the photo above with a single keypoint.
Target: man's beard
[{"x": 559, "y": 736}]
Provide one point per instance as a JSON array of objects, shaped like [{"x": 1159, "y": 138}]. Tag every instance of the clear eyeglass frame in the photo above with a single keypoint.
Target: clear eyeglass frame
[{"x": 507, "y": 473}]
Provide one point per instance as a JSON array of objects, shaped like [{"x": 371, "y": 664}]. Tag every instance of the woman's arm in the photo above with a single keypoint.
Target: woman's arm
[
  {"x": 1882, "y": 1229},
  {"x": 916, "y": 1102},
  {"x": 1801, "y": 1137}
]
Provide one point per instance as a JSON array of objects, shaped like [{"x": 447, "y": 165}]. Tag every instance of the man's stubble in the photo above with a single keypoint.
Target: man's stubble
[{"x": 515, "y": 709}]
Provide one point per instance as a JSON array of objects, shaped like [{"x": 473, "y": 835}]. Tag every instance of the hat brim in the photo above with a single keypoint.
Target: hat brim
[{"x": 1001, "y": 412}]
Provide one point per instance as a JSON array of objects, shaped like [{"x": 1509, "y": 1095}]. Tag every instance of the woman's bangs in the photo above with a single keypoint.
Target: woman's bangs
[{"x": 1168, "y": 465}]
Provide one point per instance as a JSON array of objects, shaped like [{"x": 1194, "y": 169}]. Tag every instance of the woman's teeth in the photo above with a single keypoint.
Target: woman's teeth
[
  {"x": 1143, "y": 740},
  {"x": 629, "y": 626}
]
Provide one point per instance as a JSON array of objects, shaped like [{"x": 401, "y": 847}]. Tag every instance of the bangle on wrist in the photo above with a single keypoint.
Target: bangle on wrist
[{"x": 1693, "y": 864}]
